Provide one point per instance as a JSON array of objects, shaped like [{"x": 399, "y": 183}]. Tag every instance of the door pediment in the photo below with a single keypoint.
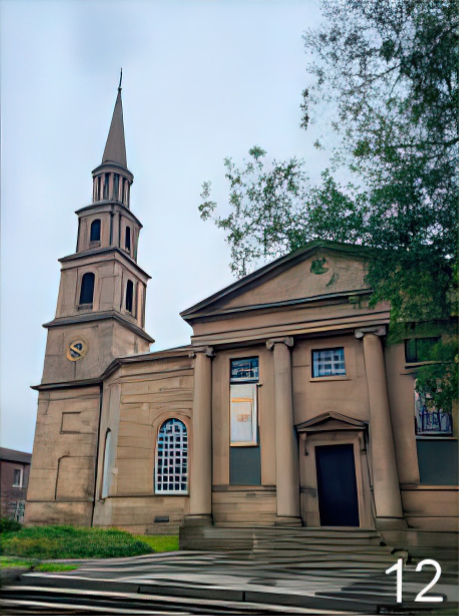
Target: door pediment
[{"x": 330, "y": 421}]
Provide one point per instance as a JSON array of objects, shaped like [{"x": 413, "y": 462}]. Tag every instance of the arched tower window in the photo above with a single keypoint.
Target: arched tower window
[
  {"x": 127, "y": 239},
  {"x": 129, "y": 295},
  {"x": 106, "y": 474},
  {"x": 87, "y": 288},
  {"x": 95, "y": 231},
  {"x": 172, "y": 458}
]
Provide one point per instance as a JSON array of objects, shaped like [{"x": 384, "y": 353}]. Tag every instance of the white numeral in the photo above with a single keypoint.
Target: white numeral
[
  {"x": 398, "y": 567},
  {"x": 421, "y": 596}
]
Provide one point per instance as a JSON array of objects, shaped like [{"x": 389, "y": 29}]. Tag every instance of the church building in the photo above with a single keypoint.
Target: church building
[{"x": 293, "y": 404}]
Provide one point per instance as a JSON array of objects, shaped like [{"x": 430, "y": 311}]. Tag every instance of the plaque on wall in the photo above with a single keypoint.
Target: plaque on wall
[{"x": 243, "y": 415}]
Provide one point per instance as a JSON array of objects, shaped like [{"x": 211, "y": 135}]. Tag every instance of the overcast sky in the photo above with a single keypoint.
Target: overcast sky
[{"x": 201, "y": 80}]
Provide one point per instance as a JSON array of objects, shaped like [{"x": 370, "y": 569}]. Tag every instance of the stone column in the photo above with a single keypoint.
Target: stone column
[
  {"x": 388, "y": 501},
  {"x": 201, "y": 441},
  {"x": 287, "y": 475}
]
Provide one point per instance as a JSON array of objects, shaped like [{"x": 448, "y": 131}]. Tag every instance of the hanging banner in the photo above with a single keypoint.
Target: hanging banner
[{"x": 243, "y": 415}]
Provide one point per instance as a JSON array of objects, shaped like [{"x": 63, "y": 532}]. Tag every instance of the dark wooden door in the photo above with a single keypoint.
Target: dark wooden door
[{"x": 337, "y": 486}]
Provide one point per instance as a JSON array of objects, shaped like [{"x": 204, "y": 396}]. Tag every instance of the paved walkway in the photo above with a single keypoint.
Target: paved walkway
[{"x": 221, "y": 582}]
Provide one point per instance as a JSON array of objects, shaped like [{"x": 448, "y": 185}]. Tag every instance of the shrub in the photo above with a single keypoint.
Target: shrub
[{"x": 9, "y": 525}]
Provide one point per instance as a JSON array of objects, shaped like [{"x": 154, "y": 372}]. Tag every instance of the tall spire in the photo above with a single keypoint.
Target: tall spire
[{"x": 115, "y": 148}]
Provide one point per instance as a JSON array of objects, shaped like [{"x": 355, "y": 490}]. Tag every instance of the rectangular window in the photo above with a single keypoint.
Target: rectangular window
[
  {"x": 328, "y": 362},
  {"x": 244, "y": 370},
  {"x": 17, "y": 478},
  {"x": 243, "y": 415},
  {"x": 243, "y": 402},
  {"x": 419, "y": 349},
  {"x": 431, "y": 421}
]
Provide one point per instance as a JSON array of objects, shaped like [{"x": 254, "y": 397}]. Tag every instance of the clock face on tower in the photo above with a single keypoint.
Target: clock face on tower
[{"x": 77, "y": 349}]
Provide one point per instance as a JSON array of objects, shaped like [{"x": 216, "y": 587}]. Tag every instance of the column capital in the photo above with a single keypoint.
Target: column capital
[
  {"x": 287, "y": 340},
  {"x": 379, "y": 330},
  {"x": 208, "y": 351}
]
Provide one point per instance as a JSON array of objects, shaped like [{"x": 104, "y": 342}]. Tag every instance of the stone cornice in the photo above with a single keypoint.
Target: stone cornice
[
  {"x": 104, "y": 251},
  {"x": 99, "y": 316},
  {"x": 290, "y": 303},
  {"x": 109, "y": 202}
]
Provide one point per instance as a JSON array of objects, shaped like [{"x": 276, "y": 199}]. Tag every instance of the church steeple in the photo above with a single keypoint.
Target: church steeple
[
  {"x": 101, "y": 306},
  {"x": 115, "y": 148},
  {"x": 112, "y": 179}
]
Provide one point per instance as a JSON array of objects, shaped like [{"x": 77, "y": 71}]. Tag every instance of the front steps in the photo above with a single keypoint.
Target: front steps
[
  {"x": 308, "y": 548},
  {"x": 306, "y": 544}
]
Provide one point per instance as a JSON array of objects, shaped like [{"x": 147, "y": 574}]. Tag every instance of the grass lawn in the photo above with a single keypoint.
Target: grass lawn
[
  {"x": 160, "y": 543},
  {"x": 58, "y": 542},
  {"x": 12, "y": 563}
]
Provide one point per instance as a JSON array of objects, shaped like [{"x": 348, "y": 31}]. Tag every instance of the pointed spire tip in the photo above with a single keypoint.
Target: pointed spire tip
[{"x": 121, "y": 78}]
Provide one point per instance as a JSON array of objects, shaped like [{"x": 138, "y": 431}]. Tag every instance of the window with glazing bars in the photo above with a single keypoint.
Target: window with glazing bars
[
  {"x": 172, "y": 458},
  {"x": 328, "y": 362}
]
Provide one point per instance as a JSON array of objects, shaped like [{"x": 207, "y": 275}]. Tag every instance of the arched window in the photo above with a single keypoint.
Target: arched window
[
  {"x": 106, "y": 474},
  {"x": 95, "y": 231},
  {"x": 172, "y": 458},
  {"x": 129, "y": 295},
  {"x": 127, "y": 241},
  {"x": 87, "y": 288}
]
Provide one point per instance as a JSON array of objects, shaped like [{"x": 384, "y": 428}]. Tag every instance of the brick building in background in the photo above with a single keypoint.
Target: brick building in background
[{"x": 14, "y": 478}]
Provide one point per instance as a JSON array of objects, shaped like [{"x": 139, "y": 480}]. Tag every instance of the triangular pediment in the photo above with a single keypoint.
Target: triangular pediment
[
  {"x": 318, "y": 270},
  {"x": 331, "y": 421}
]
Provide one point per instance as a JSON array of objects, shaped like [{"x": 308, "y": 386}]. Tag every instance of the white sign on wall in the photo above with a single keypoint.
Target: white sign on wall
[{"x": 243, "y": 415}]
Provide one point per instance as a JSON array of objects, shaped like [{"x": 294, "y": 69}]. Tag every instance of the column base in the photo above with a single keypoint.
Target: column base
[
  {"x": 383, "y": 523},
  {"x": 201, "y": 519},
  {"x": 282, "y": 520}
]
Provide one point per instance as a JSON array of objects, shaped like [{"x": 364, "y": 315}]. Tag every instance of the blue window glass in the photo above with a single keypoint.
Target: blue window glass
[
  {"x": 244, "y": 369},
  {"x": 328, "y": 362}
]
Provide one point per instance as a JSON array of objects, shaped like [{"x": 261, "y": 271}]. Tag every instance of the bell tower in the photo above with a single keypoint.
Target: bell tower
[{"x": 100, "y": 311}]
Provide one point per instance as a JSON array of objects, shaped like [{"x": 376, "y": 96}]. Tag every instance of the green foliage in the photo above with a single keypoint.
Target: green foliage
[
  {"x": 439, "y": 381},
  {"x": 9, "y": 525},
  {"x": 267, "y": 217},
  {"x": 160, "y": 543},
  {"x": 50, "y": 542},
  {"x": 388, "y": 69}
]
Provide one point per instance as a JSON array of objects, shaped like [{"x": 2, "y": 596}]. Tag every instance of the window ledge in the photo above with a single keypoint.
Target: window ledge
[
  {"x": 426, "y": 486},
  {"x": 85, "y": 307},
  {"x": 435, "y": 437},
  {"x": 320, "y": 379}
]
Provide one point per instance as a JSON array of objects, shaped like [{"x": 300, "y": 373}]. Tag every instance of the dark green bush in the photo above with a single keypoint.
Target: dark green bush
[{"x": 9, "y": 525}]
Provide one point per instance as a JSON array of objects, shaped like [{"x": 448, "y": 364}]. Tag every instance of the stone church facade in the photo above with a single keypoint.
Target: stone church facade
[{"x": 291, "y": 405}]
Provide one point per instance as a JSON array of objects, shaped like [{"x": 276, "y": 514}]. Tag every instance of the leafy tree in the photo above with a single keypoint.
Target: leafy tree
[{"x": 389, "y": 69}]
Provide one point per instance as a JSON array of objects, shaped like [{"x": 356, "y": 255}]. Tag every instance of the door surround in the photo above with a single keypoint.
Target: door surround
[{"x": 333, "y": 429}]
